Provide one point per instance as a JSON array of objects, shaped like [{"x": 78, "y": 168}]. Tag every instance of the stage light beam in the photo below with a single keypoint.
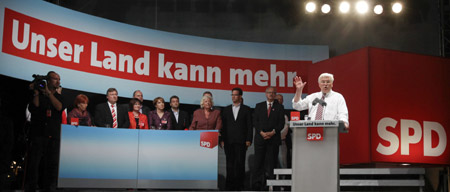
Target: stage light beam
[
  {"x": 362, "y": 7},
  {"x": 310, "y": 7},
  {"x": 326, "y": 8},
  {"x": 397, "y": 7},
  {"x": 378, "y": 9},
  {"x": 344, "y": 7}
]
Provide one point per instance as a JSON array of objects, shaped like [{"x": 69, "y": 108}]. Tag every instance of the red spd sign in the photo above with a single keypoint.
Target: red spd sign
[
  {"x": 74, "y": 121},
  {"x": 209, "y": 139},
  {"x": 314, "y": 133},
  {"x": 295, "y": 115},
  {"x": 399, "y": 140}
]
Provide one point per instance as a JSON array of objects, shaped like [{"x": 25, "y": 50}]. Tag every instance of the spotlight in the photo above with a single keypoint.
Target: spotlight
[
  {"x": 362, "y": 7},
  {"x": 397, "y": 7},
  {"x": 378, "y": 9},
  {"x": 326, "y": 8},
  {"x": 310, "y": 7},
  {"x": 344, "y": 7}
]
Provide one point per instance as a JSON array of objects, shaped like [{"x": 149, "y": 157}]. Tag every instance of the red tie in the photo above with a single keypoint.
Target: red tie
[
  {"x": 270, "y": 109},
  {"x": 320, "y": 109},
  {"x": 113, "y": 112}
]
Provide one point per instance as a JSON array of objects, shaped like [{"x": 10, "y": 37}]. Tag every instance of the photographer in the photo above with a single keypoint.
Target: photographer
[{"x": 45, "y": 107}]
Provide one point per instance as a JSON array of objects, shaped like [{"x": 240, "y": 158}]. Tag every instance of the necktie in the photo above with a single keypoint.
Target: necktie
[
  {"x": 113, "y": 113},
  {"x": 270, "y": 109},
  {"x": 320, "y": 109}
]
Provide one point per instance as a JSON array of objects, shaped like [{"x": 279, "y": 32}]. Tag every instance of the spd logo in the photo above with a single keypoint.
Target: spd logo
[
  {"x": 314, "y": 133},
  {"x": 295, "y": 115},
  {"x": 209, "y": 139},
  {"x": 431, "y": 135}
]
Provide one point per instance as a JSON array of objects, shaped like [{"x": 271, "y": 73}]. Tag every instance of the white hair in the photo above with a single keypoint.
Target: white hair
[
  {"x": 206, "y": 97},
  {"x": 326, "y": 75}
]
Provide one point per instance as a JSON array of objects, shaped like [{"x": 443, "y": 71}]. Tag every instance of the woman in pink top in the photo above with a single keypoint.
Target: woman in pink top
[{"x": 206, "y": 118}]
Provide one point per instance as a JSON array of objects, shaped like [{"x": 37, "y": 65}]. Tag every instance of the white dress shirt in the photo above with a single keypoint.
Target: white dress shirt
[
  {"x": 176, "y": 114},
  {"x": 269, "y": 103},
  {"x": 336, "y": 108},
  {"x": 236, "y": 110},
  {"x": 110, "y": 108}
]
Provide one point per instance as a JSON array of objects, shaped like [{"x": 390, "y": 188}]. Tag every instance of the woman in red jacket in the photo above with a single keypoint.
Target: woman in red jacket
[{"x": 137, "y": 119}]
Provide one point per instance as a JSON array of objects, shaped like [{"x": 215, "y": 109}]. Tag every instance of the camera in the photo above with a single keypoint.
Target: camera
[{"x": 39, "y": 82}]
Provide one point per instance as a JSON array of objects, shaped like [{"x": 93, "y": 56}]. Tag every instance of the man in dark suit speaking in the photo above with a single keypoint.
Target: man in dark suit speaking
[
  {"x": 268, "y": 120},
  {"x": 236, "y": 137},
  {"x": 109, "y": 114}
]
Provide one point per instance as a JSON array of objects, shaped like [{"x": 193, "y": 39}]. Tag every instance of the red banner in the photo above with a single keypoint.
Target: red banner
[{"x": 44, "y": 42}]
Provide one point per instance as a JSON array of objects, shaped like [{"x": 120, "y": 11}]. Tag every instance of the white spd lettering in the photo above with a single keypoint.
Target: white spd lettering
[
  {"x": 205, "y": 144},
  {"x": 406, "y": 139},
  {"x": 314, "y": 136}
]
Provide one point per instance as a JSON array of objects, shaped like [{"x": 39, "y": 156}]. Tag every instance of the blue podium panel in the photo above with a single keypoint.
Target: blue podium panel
[
  {"x": 175, "y": 159},
  {"x": 93, "y": 157},
  {"x": 98, "y": 157}
]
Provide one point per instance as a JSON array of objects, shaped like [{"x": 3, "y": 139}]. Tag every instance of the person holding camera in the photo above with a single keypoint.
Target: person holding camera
[{"x": 44, "y": 135}]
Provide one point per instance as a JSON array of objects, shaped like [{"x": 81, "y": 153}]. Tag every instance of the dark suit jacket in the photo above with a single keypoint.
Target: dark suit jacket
[
  {"x": 183, "y": 120},
  {"x": 239, "y": 130},
  {"x": 103, "y": 116},
  {"x": 145, "y": 110},
  {"x": 267, "y": 124}
]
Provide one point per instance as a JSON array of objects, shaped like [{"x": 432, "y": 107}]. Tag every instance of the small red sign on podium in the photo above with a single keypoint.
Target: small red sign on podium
[
  {"x": 209, "y": 139},
  {"x": 314, "y": 133},
  {"x": 295, "y": 115},
  {"x": 74, "y": 121}
]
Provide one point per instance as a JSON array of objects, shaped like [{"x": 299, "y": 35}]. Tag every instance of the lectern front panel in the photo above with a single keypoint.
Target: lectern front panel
[{"x": 315, "y": 163}]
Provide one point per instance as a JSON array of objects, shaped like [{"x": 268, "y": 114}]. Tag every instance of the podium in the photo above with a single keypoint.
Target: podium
[{"x": 315, "y": 164}]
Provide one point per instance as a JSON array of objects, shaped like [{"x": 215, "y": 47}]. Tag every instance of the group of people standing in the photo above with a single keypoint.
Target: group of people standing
[
  {"x": 133, "y": 115},
  {"x": 235, "y": 122}
]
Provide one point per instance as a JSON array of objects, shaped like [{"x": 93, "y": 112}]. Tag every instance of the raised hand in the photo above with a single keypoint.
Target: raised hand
[{"x": 299, "y": 84}]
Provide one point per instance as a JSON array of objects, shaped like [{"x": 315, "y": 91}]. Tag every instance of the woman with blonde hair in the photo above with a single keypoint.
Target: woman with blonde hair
[{"x": 206, "y": 118}]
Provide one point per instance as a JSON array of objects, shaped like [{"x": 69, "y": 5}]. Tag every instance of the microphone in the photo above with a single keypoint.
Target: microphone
[
  {"x": 315, "y": 101},
  {"x": 319, "y": 101},
  {"x": 322, "y": 102}
]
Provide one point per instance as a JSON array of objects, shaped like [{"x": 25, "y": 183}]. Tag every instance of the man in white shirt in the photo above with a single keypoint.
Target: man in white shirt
[{"x": 335, "y": 108}]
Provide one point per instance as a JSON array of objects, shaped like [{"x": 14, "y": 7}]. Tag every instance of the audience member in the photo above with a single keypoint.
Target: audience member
[
  {"x": 110, "y": 114},
  {"x": 268, "y": 122},
  {"x": 138, "y": 95},
  {"x": 79, "y": 115},
  {"x": 180, "y": 119},
  {"x": 236, "y": 137},
  {"x": 136, "y": 118},
  {"x": 159, "y": 118},
  {"x": 284, "y": 149},
  {"x": 205, "y": 118}
]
